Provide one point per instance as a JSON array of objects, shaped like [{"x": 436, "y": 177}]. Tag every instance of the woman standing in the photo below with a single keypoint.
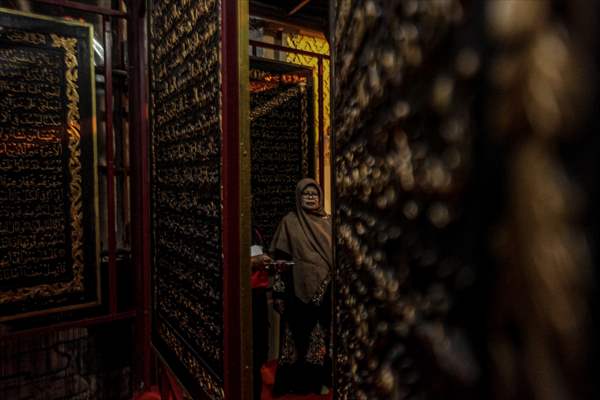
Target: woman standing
[{"x": 303, "y": 296}]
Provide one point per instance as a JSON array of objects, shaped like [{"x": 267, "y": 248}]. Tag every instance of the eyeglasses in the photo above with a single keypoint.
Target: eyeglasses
[{"x": 310, "y": 194}]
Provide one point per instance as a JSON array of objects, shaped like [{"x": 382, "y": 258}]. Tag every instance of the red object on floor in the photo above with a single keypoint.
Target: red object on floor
[
  {"x": 152, "y": 395},
  {"x": 268, "y": 378}
]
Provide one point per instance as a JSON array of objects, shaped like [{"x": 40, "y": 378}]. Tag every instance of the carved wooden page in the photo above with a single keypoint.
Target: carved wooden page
[
  {"x": 185, "y": 61},
  {"x": 48, "y": 202},
  {"x": 282, "y": 144}
]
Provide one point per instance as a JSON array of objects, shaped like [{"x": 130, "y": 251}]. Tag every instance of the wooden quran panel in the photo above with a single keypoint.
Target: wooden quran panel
[
  {"x": 187, "y": 269},
  {"x": 48, "y": 204},
  {"x": 282, "y": 146}
]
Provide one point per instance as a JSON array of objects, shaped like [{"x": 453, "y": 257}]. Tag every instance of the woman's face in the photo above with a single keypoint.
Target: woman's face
[{"x": 310, "y": 200}]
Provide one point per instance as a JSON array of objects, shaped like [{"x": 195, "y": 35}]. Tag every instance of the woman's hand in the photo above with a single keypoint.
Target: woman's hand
[{"x": 260, "y": 262}]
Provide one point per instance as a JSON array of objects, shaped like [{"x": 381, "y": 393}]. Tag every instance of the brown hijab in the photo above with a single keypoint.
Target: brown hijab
[{"x": 306, "y": 236}]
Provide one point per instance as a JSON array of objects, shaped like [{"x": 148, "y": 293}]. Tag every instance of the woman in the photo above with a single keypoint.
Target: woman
[{"x": 303, "y": 296}]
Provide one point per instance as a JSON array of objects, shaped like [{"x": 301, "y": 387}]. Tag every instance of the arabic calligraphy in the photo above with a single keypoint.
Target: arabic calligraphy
[
  {"x": 40, "y": 237},
  {"x": 186, "y": 136},
  {"x": 279, "y": 137},
  {"x": 33, "y": 239}
]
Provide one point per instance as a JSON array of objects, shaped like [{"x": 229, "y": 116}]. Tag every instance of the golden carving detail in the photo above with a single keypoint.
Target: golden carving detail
[
  {"x": 74, "y": 132},
  {"x": 273, "y": 103},
  {"x": 206, "y": 380},
  {"x": 280, "y": 99}
]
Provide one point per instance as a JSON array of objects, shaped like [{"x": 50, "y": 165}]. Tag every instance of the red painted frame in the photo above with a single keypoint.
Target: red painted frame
[
  {"x": 231, "y": 162},
  {"x": 139, "y": 150},
  {"x": 110, "y": 163}
]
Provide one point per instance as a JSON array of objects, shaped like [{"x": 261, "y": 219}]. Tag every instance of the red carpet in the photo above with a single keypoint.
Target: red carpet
[{"x": 268, "y": 378}]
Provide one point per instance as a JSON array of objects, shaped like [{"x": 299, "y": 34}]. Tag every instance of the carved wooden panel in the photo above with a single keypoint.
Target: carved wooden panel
[
  {"x": 464, "y": 162},
  {"x": 282, "y": 146},
  {"x": 185, "y": 48},
  {"x": 48, "y": 201}
]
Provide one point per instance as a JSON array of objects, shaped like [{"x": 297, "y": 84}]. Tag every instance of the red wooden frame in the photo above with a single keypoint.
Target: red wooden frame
[
  {"x": 139, "y": 150},
  {"x": 110, "y": 163},
  {"x": 233, "y": 368},
  {"x": 321, "y": 125}
]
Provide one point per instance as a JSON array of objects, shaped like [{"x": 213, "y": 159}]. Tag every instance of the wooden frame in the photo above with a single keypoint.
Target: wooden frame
[{"x": 236, "y": 175}]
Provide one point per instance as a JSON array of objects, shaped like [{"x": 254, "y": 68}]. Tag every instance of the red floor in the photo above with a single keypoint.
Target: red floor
[{"x": 268, "y": 376}]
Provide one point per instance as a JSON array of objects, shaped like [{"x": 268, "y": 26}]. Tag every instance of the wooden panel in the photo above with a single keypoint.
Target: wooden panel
[
  {"x": 464, "y": 160},
  {"x": 282, "y": 146},
  {"x": 200, "y": 188},
  {"x": 188, "y": 324},
  {"x": 48, "y": 204}
]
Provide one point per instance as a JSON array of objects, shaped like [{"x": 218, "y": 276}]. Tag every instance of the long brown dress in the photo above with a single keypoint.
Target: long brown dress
[{"x": 305, "y": 238}]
